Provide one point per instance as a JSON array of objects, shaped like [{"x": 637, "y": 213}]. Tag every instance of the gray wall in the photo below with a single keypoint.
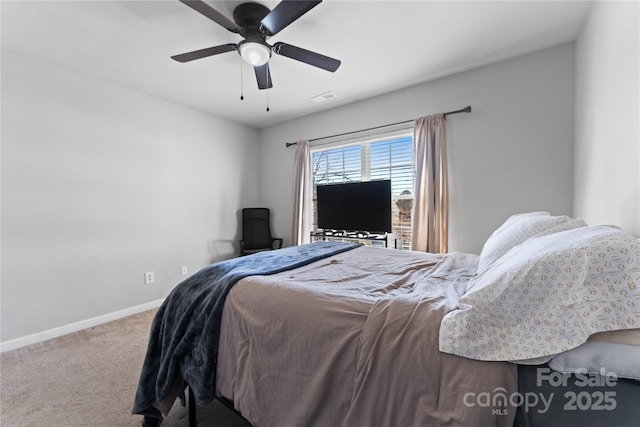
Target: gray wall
[
  {"x": 607, "y": 146},
  {"x": 99, "y": 185},
  {"x": 512, "y": 154}
]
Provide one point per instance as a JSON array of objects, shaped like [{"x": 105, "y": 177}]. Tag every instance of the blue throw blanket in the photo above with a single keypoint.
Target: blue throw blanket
[{"x": 183, "y": 341}]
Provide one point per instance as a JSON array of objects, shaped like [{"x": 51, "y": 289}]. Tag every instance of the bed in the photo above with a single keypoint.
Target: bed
[{"x": 339, "y": 334}]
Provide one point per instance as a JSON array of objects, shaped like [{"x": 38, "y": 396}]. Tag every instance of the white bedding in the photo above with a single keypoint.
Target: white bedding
[{"x": 548, "y": 295}]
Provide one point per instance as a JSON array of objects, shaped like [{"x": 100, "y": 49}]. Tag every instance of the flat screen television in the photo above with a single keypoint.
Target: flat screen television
[{"x": 355, "y": 206}]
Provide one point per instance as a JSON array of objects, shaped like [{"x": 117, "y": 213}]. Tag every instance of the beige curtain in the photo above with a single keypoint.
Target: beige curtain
[
  {"x": 431, "y": 201},
  {"x": 302, "y": 194}
]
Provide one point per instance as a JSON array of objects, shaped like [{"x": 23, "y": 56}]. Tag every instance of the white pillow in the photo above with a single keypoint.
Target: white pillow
[
  {"x": 623, "y": 360},
  {"x": 518, "y": 228}
]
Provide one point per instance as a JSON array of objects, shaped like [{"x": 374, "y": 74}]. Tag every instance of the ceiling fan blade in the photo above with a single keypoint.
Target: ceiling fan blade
[
  {"x": 285, "y": 13},
  {"x": 203, "y": 53},
  {"x": 263, "y": 76},
  {"x": 211, "y": 13},
  {"x": 306, "y": 56}
]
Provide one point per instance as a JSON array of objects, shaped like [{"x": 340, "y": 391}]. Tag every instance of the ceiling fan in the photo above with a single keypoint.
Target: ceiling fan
[{"x": 256, "y": 23}]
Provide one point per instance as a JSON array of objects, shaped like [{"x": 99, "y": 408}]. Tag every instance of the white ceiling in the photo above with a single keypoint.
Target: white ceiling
[{"x": 383, "y": 45}]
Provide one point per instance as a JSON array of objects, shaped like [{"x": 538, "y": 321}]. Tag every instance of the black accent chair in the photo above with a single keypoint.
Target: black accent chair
[{"x": 256, "y": 232}]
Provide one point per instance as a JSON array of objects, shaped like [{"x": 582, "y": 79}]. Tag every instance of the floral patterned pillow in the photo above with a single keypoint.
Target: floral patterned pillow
[{"x": 548, "y": 295}]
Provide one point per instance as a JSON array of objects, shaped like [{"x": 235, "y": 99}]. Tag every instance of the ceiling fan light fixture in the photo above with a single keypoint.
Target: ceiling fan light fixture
[{"x": 254, "y": 53}]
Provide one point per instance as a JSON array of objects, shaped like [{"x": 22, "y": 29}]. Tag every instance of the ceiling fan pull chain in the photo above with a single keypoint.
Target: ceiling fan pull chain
[
  {"x": 268, "y": 86},
  {"x": 241, "y": 84}
]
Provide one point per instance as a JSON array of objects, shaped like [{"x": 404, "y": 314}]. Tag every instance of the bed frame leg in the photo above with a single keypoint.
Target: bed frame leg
[{"x": 192, "y": 409}]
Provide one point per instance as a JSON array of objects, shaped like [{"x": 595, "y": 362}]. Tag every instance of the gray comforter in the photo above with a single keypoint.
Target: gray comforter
[{"x": 352, "y": 341}]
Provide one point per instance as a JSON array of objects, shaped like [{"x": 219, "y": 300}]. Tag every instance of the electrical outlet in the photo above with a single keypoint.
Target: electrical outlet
[
  {"x": 149, "y": 277},
  {"x": 184, "y": 270}
]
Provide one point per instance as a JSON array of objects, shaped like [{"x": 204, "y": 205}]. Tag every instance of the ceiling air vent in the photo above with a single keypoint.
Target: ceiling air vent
[{"x": 324, "y": 97}]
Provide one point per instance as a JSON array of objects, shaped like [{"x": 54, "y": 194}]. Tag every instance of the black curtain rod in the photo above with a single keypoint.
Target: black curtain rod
[{"x": 466, "y": 109}]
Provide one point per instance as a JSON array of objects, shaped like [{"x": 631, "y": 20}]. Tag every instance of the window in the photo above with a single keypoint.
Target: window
[{"x": 383, "y": 158}]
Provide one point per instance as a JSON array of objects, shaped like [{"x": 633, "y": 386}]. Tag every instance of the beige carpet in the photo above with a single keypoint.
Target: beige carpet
[{"x": 86, "y": 379}]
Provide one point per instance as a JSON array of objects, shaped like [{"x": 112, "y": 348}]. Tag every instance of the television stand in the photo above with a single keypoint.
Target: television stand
[{"x": 356, "y": 236}]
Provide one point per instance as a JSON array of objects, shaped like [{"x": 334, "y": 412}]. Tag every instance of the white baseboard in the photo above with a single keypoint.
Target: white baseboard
[{"x": 75, "y": 327}]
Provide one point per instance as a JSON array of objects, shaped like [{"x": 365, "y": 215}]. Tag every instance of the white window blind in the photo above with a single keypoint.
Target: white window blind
[{"x": 387, "y": 158}]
